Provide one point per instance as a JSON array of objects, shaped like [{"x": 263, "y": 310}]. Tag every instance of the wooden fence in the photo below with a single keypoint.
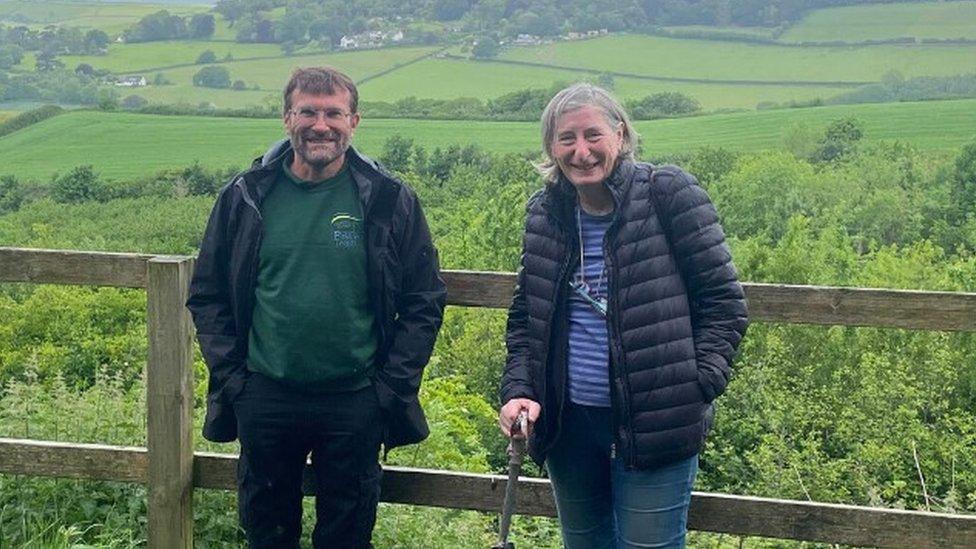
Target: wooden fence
[{"x": 171, "y": 470}]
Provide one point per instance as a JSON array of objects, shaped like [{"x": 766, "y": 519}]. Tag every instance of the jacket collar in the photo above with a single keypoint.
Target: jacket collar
[
  {"x": 265, "y": 169},
  {"x": 560, "y": 197}
]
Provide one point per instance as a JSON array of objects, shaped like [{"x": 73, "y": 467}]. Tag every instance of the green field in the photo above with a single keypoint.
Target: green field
[
  {"x": 145, "y": 56},
  {"x": 451, "y": 78},
  {"x": 713, "y": 60},
  {"x": 112, "y": 17},
  {"x": 270, "y": 75},
  {"x": 125, "y": 145},
  {"x": 880, "y": 21}
]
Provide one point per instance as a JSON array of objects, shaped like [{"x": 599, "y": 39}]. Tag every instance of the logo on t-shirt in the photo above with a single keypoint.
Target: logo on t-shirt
[{"x": 347, "y": 230}]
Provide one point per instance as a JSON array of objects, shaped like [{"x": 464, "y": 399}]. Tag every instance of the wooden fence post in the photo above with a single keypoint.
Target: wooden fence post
[{"x": 169, "y": 401}]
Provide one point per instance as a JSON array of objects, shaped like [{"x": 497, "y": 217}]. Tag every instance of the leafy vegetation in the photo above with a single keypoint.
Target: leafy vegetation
[{"x": 824, "y": 413}]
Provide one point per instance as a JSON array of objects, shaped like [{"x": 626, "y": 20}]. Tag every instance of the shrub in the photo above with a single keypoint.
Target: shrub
[
  {"x": 134, "y": 102},
  {"x": 207, "y": 56},
  {"x": 212, "y": 77},
  {"x": 78, "y": 185},
  {"x": 25, "y": 119}
]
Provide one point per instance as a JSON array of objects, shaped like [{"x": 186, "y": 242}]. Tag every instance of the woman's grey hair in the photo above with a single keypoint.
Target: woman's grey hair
[{"x": 576, "y": 97}]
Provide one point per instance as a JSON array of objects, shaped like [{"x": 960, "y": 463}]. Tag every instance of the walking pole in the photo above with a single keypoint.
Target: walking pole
[{"x": 516, "y": 449}]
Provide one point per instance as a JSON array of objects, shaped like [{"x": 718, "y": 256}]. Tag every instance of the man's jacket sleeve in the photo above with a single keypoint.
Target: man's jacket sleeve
[
  {"x": 211, "y": 306},
  {"x": 718, "y": 306},
  {"x": 419, "y": 310}
]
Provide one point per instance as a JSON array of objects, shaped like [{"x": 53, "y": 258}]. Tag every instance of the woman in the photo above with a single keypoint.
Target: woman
[{"x": 622, "y": 329}]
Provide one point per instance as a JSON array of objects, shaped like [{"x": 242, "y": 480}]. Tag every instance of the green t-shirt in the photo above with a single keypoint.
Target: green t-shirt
[{"x": 313, "y": 326}]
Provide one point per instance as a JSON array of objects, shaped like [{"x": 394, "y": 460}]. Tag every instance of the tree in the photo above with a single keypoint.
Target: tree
[
  {"x": 11, "y": 194},
  {"x": 232, "y": 10},
  {"x": 207, "y": 56},
  {"x": 212, "y": 76},
  {"x": 397, "y": 152},
  {"x": 10, "y": 55},
  {"x": 47, "y": 62},
  {"x": 963, "y": 191},
  {"x": 840, "y": 139},
  {"x": 157, "y": 26},
  {"x": 485, "y": 48},
  {"x": 239, "y": 85},
  {"x": 133, "y": 102},
  {"x": 78, "y": 185},
  {"x": 201, "y": 26},
  {"x": 84, "y": 69},
  {"x": 293, "y": 27},
  {"x": 663, "y": 105},
  {"x": 449, "y": 10},
  {"x": 96, "y": 41}
]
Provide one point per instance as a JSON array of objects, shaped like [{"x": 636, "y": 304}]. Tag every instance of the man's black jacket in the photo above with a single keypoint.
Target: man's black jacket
[
  {"x": 677, "y": 313},
  {"x": 406, "y": 292}
]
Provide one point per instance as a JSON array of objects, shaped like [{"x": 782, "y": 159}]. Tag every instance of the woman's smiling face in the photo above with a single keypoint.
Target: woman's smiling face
[{"x": 586, "y": 146}]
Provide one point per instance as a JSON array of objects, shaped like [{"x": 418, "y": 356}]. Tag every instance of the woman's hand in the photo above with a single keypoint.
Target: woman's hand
[{"x": 510, "y": 411}]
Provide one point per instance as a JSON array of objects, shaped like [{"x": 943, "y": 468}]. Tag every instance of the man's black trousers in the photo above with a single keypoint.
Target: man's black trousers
[{"x": 278, "y": 428}]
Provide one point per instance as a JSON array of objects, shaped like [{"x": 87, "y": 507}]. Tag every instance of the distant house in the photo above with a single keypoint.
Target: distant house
[
  {"x": 573, "y": 36},
  {"x": 133, "y": 81},
  {"x": 397, "y": 36},
  {"x": 348, "y": 43},
  {"x": 527, "y": 40}
]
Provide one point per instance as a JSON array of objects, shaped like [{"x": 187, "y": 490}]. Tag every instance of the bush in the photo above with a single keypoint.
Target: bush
[
  {"x": 79, "y": 185},
  {"x": 133, "y": 102},
  {"x": 212, "y": 77},
  {"x": 25, "y": 119},
  {"x": 207, "y": 56},
  {"x": 11, "y": 194},
  {"x": 239, "y": 85},
  {"x": 663, "y": 105}
]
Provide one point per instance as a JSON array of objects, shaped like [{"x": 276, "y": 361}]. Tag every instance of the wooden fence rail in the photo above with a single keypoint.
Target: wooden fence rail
[{"x": 170, "y": 469}]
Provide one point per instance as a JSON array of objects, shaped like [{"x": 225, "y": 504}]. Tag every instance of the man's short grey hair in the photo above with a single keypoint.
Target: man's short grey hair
[{"x": 576, "y": 97}]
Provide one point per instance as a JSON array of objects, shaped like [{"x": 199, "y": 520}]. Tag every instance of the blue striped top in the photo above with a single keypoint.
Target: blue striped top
[{"x": 589, "y": 348}]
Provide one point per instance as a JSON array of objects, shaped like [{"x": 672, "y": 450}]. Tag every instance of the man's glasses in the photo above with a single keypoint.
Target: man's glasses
[{"x": 308, "y": 114}]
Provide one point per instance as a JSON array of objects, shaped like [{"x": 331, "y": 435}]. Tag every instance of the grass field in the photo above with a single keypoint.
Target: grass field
[
  {"x": 126, "y": 58},
  {"x": 112, "y": 17},
  {"x": 270, "y": 76},
  {"x": 450, "y": 78},
  {"x": 712, "y": 60},
  {"x": 879, "y": 21},
  {"x": 126, "y": 145}
]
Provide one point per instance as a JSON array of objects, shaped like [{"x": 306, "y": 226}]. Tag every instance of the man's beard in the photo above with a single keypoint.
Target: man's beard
[{"x": 321, "y": 156}]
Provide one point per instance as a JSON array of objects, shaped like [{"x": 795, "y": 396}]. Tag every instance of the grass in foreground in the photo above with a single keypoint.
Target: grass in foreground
[{"x": 128, "y": 145}]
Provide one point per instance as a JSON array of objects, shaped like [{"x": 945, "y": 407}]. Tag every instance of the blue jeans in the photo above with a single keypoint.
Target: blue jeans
[{"x": 602, "y": 505}]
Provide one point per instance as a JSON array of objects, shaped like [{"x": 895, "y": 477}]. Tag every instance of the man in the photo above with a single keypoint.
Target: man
[{"x": 316, "y": 298}]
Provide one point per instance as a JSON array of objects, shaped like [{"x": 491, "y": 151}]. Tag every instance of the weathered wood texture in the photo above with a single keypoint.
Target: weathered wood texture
[
  {"x": 71, "y": 267},
  {"x": 38, "y": 458},
  {"x": 950, "y": 311},
  {"x": 743, "y": 515},
  {"x": 169, "y": 402},
  {"x": 909, "y": 309}
]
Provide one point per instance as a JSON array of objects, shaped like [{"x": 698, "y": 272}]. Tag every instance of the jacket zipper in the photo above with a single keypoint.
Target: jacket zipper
[
  {"x": 560, "y": 282},
  {"x": 618, "y": 377}
]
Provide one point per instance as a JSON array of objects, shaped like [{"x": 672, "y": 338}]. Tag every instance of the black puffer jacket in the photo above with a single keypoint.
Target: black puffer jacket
[
  {"x": 677, "y": 312},
  {"x": 406, "y": 291}
]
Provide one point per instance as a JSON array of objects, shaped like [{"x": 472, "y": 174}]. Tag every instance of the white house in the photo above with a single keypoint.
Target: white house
[{"x": 132, "y": 81}]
